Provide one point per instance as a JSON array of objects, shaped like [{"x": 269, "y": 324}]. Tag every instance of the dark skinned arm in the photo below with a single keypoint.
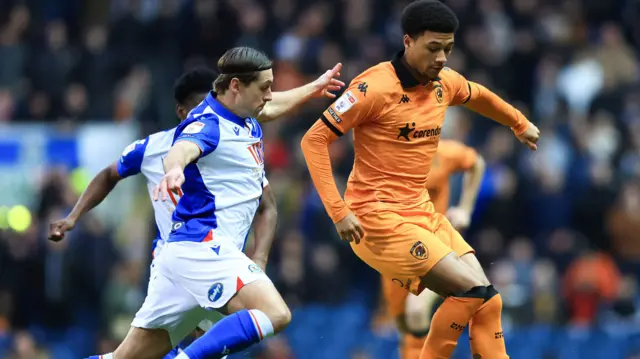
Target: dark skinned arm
[{"x": 99, "y": 188}]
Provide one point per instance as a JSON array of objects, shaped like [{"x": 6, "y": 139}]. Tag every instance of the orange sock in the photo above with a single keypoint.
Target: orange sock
[
  {"x": 411, "y": 346},
  {"x": 485, "y": 329},
  {"x": 449, "y": 321}
]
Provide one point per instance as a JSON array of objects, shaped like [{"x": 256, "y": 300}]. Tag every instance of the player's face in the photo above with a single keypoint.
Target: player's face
[
  {"x": 428, "y": 53},
  {"x": 254, "y": 97},
  {"x": 182, "y": 110}
]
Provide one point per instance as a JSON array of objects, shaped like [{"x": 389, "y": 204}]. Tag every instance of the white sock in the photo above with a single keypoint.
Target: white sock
[
  {"x": 106, "y": 356},
  {"x": 262, "y": 323}
]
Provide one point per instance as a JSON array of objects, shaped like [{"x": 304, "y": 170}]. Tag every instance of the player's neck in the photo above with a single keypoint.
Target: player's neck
[
  {"x": 228, "y": 102},
  {"x": 421, "y": 78}
]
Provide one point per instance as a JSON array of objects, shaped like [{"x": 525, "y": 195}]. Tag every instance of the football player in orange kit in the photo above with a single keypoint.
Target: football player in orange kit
[
  {"x": 396, "y": 110},
  {"x": 412, "y": 313}
]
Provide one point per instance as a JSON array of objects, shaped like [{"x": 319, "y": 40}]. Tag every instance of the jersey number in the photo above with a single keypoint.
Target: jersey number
[{"x": 257, "y": 152}]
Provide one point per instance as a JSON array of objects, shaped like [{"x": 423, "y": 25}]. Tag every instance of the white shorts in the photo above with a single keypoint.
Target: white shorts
[
  {"x": 189, "y": 281},
  {"x": 205, "y": 324}
]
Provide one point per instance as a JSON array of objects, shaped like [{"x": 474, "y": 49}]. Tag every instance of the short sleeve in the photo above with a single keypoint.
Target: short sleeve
[
  {"x": 361, "y": 102},
  {"x": 131, "y": 158},
  {"x": 457, "y": 87},
  {"x": 204, "y": 132}
]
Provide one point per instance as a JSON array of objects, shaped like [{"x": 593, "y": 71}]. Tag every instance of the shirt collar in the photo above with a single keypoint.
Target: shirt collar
[
  {"x": 407, "y": 80},
  {"x": 224, "y": 112}
]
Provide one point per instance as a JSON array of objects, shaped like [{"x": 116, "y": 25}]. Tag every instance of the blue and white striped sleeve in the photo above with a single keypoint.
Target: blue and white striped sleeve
[{"x": 131, "y": 159}]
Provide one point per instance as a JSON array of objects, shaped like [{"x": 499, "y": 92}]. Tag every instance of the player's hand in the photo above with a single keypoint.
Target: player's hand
[
  {"x": 328, "y": 82},
  {"x": 171, "y": 181},
  {"x": 350, "y": 229},
  {"x": 58, "y": 228},
  {"x": 530, "y": 137},
  {"x": 459, "y": 218}
]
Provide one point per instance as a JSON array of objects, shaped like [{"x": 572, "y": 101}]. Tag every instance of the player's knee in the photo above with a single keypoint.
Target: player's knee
[
  {"x": 280, "y": 317},
  {"x": 493, "y": 299}
]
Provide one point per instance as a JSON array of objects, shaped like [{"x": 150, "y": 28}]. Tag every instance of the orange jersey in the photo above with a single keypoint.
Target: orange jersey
[
  {"x": 451, "y": 157},
  {"x": 396, "y": 124}
]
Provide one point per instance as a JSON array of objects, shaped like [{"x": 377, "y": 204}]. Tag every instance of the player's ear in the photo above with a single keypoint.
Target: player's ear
[
  {"x": 407, "y": 41},
  {"x": 180, "y": 112},
  {"x": 234, "y": 85}
]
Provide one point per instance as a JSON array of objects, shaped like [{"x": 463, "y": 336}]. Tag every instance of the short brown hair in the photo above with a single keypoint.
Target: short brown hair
[{"x": 243, "y": 63}]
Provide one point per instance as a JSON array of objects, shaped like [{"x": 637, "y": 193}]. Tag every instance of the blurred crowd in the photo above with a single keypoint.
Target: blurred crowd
[{"x": 558, "y": 230}]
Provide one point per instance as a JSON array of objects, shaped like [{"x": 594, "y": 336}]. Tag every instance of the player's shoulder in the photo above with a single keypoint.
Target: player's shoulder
[
  {"x": 379, "y": 79},
  {"x": 449, "y": 75},
  {"x": 137, "y": 147},
  {"x": 160, "y": 141},
  {"x": 205, "y": 122}
]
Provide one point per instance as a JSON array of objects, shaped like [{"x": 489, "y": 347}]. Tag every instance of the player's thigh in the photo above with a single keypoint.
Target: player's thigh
[
  {"x": 472, "y": 262},
  {"x": 454, "y": 239},
  {"x": 395, "y": 296},
  {"x": 167, "y": 308},
  {"x": 143, "y": 343},
  {"x": 221, "y": 277},
  {"x": 451, "y": 276},
  {"x": 399, "y": 248}
]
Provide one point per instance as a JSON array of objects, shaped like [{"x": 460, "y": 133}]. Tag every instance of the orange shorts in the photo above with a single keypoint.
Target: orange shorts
[{"x": 404, "y": 246}]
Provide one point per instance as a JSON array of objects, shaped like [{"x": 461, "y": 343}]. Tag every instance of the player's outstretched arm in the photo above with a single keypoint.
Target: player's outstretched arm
[
  {"x": 488, "y": 104},
  {"x": 460, "y": 215},
  {"x": 99, "y": 188},
  {"x": 285, "y": 102},
  {"x": 483, "y": 101},
  {"x": 265, "y": 227}
]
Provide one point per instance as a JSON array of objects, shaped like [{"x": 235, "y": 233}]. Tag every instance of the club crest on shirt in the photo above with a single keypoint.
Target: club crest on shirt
[
  {"x": 419, "y": 251},
  {"x": 439, "y": 92}
]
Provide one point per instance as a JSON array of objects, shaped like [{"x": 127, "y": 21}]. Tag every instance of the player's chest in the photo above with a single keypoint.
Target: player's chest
[
  {"x": 239, "y": 152},
  {"x": 415, "y": 116}
]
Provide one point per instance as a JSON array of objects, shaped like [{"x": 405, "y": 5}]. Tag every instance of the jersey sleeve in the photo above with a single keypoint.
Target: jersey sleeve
[
  {"x": 457, "y": 86},
  {"x": 131, "y": 158},
  {"x": 205, "y": 133},
  {"x": 361, "y": 102}
]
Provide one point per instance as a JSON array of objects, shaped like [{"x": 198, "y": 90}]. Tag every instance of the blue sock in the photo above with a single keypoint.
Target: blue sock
[
  {"x": 172, "y": 354},
  {"x": 232, "y": 334}
]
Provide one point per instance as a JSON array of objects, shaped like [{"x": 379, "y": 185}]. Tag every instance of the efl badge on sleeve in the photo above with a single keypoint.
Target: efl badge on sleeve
[
  {"x": 344, "y": 103},
  {"x": 194, "y": 127}
]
